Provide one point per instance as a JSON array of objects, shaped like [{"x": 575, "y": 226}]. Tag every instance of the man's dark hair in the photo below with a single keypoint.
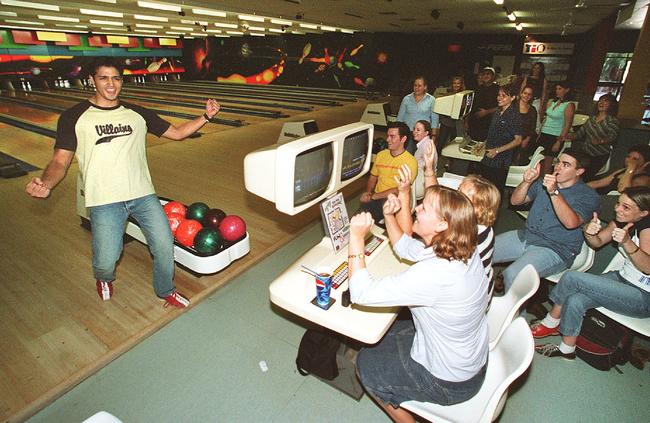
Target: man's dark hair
[
  {"x": 105, "y": 61},
  {"x": 642, "y": 149},
  {"x": 403, "y": 128},
  {"x": 583, "y": 160}
]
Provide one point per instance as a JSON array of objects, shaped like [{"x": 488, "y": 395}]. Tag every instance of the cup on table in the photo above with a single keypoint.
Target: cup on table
[{"x": 323, "y": 288}]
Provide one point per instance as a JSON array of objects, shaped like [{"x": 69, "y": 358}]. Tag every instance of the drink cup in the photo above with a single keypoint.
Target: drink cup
[{"x": 323, "y": 288}]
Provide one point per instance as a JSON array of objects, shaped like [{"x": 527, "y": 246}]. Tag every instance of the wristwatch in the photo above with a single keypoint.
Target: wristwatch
[
  {"x": 554, "y": 193},
  {"x": 206, "y": 117}
]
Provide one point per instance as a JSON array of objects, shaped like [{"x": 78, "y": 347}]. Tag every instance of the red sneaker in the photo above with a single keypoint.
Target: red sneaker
[
  {"x": 541, "y": 331},
  {"x": 104, "y": 289},
  {"x": 177, "y": 300}
]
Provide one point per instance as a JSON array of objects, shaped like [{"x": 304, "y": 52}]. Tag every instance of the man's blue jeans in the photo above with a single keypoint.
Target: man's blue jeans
[
  {"x": 108, "y": 223},
  {"x": 508, "y": 247}
]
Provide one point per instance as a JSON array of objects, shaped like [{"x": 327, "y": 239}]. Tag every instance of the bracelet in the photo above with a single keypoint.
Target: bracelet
[
  {"x": 357, "y": 256},
  {"x": 207, "y": 118}
]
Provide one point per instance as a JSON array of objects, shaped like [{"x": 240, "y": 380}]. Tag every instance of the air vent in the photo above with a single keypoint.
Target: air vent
[{"x": 353, "y": 15}]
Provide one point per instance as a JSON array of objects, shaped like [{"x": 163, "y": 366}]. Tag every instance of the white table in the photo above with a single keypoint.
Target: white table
[
  {"x": 453, "y": 151},
  {"x": 293, "y": 290}
]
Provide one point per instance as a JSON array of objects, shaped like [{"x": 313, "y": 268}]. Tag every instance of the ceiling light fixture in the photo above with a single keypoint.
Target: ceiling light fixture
[
  {"x": 251, "y": 18},
  {"x": 101, "y": 13},
  {"x": 308, "y": 26},
  {"x": 281, "y": 22},
  {"x": 31, "y": 5},
  {"x": 159, "y": 6},
  {"x": 225, "y": 25},
  {"x": 8, "y": 13},
  {"x": 150, "y": 18},
  {"x": 139, "y": 25},
  {"x": 499, "y": 2},
  {"x": 57, "y": 18},
  {"x": 512, "y": 17},
  {"x": 16, "y": 21},
  {"x": 102, "y": 22},
  {"x": 208, "y": 12},
  {"x": 519, "y": 26}
]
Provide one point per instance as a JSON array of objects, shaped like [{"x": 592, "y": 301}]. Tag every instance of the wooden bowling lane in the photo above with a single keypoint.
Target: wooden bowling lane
[
  {"x": 55, "y": 331},
  {"x": 296, "y": 92}
]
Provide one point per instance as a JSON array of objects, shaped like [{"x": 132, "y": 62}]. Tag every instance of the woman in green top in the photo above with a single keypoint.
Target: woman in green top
[{"x": 559, "y": 117}]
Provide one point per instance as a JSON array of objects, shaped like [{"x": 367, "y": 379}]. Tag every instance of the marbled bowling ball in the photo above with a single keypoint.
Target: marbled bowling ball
[
  {"x": 197, "y": 211},
  {"x": 213, "y": 217},
  {"x": 232, "y": 228},
  {"x": 208, "y": 241},
  {"x": 175, "y": 220},
  {"x": 186, "y": 232},
  {"x": 175, "y": 207}
]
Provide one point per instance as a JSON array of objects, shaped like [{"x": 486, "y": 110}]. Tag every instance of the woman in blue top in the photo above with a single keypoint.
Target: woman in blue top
[
  {"x": 559, "y": 117},
  {"x": 418, "y": 106},
  {"x": 504, "y": 136}
]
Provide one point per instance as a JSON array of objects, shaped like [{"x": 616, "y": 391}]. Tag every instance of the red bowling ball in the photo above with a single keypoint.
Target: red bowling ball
[
  {"x": 213, "y": 218},
  {"x": 175, "y": 219},
  {"x": 186, "y": 232},
  {"x": 175, "y": 207},
  {"x": 232, "y": 228}
]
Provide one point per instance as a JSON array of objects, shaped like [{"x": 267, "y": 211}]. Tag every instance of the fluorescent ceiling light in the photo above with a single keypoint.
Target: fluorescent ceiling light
[
  {"x": 101, "y": 13},
  {"x": 347, "y": 31},
  {"x": 101, "y": 22},
  {"x": 150, "y": 18},
  {"x": 519, "y": 26},
  {"x": 187, "y": 21},
  {"x": 327, "y": 28},
  {"x": 298, "y": 32},
  {"x": 281, "y": 22},
  {"x": 276, "y": 30},
  {"x": 224, "y": 25},
  {"x": 57, "y": 18},
  {"x": 8, "y": 14},
  {"x": 71, "y": 26},
  {"x": 251, "y": 18},
  {"x": 31, "y": 5},
  {"x": 16, "y": 21},
  {"x": 197, "y": 34},
  {"x": 256, "y": 28},
  {"x": 512, "y": 17},
  {"x": 115, "y": 28},
  {"x": 182, "y": 28},
  {"x": 308, "y": 26},
  {"x": 174, "y": 32},
  {"x": 213, "y": 31},
  {"x": 147, "y": 31},
  {"x": 255, "y": 34},
  {"x": 499, "y": 2},
  {"x": 209, "y": 12},
  {"x": 139, "y": 25},
  {"x": 159, "y": 6},
  {"x": 235, "y": 32},
  {"x": 107, "y": 1}
]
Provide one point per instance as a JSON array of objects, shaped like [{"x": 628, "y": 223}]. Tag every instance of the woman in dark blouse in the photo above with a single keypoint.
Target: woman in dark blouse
[
  {"x": 504, "y": 136},
  {"x": 528, "y": 122}
]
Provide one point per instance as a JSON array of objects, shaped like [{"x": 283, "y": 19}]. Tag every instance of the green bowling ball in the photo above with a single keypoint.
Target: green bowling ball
[
  {"x": 208, "y": 241},
  {"x": 196, "y": 211}
]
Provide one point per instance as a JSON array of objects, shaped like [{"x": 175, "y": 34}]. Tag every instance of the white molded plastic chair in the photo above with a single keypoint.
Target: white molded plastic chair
[
  {"x": 603, "y": 170},
  {"x": 102, "y": 417},
  {"x": 640, "y": 325},
  {"x": 509, "y": 360},
  {"x": 504, "y": 309},
  {"x": 579, "y": 119},
  {"x": 583, "y": 262},
  {"x": 516, "y": 173}
]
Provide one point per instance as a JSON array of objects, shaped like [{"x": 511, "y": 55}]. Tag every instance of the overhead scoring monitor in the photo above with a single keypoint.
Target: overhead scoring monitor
[
  {"x": 301, "y": 173},
  {"x": 456, "y": 106}
]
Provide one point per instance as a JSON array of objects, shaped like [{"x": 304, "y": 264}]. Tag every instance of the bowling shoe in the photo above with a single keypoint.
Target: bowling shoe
[
  {"x": 177, "y": 300},
  {"x": 104, "y": 289}
]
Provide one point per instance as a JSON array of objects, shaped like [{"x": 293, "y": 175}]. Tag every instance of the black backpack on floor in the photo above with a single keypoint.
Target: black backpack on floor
[
  {"x": 603, "y": 343},
  {"x": 317, "y": 354}
]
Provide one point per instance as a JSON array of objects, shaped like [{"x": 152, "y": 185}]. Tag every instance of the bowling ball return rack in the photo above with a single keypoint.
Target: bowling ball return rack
[{"x": 196, "y": 263}]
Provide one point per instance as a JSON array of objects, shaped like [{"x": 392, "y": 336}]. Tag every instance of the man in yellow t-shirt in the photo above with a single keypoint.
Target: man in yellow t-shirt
[{"x": 386, "y": 166}]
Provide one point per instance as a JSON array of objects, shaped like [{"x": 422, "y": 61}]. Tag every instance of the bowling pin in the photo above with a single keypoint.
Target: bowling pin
[
  {"x": 29, "y": 86},
  {"x": 66, "y": 83}
]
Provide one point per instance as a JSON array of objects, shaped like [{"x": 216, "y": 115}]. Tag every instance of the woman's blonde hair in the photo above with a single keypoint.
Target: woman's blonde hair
[
  {"x": 485, "y": 198},
  {"x": 458, "y": 241}
]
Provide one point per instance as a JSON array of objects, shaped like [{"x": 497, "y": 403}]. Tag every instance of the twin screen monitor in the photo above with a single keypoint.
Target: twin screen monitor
[{"x": 301, "y": 173}]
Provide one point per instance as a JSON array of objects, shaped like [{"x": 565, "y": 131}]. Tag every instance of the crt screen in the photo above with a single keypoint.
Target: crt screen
[
  {"x": 355, "y": 150},
  {"x": 312, "y": 173},
  {"x": 466, "y": 105}
]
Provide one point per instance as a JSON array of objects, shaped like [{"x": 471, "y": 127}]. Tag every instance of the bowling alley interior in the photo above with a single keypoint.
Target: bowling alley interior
[{"x": 291, "y": 77}]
